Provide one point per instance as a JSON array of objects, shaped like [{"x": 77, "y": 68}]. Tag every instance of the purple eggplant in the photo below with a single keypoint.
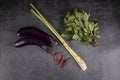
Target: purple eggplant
[
  {"x": 33, "y": 41},
  {"x": 31, "y": 31}
]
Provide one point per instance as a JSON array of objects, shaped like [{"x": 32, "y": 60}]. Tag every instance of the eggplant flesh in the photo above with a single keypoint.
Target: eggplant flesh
[
  {"x": 31, "y": 31},
  {"x": 33, "y": 41}
]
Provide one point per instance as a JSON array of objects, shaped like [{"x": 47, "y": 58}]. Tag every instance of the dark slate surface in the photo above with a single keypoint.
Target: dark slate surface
[{"x": 32, "y": 63}]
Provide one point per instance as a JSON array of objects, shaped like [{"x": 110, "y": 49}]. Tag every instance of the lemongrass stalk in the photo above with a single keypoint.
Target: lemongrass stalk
[{"x": 79, "y": 60}]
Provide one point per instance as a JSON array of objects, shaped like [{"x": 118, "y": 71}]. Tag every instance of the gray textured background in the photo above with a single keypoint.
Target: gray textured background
[{"x": 32, "y": 63}]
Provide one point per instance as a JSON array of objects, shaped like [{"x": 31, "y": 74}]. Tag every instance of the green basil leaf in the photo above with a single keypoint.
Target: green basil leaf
[
  {"x": 78, "y": 26},
  {"x": 86, "y": 16},
  {"x": 86, "y": 43},
  {"x": 97, "y": 36},
  {"x": 75, "y": 37},
  {"x": 79, "y": 15},
  {"x": 85, "y": 30},
  {"x": 91, "y": 27}
]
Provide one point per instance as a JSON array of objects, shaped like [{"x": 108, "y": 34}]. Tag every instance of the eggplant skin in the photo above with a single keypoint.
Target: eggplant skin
[
  {"x": 33, "y": 41},
  {"x": 31, "y": 31}
]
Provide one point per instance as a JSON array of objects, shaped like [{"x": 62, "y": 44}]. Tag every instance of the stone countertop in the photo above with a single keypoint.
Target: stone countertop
[{"x": 33, "y": 63}]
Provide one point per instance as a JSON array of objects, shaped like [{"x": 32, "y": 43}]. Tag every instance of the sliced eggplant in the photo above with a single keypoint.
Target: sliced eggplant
[{"x": 31, "y": 31}]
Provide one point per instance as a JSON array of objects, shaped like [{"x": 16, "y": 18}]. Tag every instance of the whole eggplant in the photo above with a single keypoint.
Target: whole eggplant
[
  {"x": 33, "y": 41},
  {"x": 31, "y": 31}
]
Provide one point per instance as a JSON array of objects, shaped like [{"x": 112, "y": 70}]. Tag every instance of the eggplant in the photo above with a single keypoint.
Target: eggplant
[
  {"x": 33, "y": 41},
  {"x": 31, "y": 31}
]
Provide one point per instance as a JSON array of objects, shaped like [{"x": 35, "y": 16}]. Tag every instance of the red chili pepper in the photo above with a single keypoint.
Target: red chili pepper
[
  {"x": 63, "y": 64},
  {"x": 62, "y": 59},
  {"x": 55, "y": 56}
]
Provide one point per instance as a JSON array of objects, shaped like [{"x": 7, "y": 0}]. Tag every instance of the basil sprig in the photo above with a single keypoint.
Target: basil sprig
[{"x": 78, "y": 26}]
